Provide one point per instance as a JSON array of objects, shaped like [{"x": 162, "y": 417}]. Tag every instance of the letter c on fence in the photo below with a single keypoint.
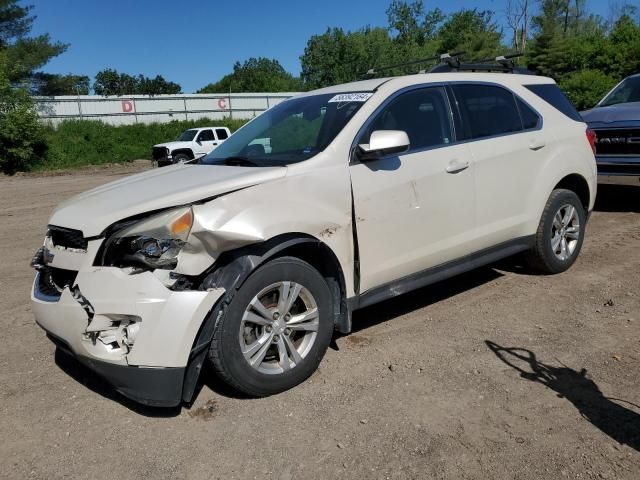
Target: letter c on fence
[
  {"x": 127, "y": 106},
  {"x": 222, "y": 103}
]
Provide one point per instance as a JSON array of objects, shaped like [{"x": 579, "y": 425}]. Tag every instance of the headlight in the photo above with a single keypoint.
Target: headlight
[{"x": 154, "y": 242}]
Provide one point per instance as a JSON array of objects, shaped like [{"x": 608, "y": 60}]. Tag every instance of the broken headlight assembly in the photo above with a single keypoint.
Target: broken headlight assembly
[{"x": 150, "y": 243}]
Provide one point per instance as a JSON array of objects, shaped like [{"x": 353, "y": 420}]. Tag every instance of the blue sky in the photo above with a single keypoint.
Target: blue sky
[{"x": 196, "y": 42}]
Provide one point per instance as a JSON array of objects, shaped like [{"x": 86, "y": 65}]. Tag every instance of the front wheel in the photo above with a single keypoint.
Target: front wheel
[
  {"x": 275, "y": 330},
  {"x": 560, "y": 233},
  {"x": 181, "y": 158}
]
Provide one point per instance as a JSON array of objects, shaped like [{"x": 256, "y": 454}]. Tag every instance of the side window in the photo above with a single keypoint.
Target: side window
[
  {"x": 206, "y": 136},
  {"x": 488, "y": 110},
  {"x": 423, "y": 114},
  {"x": 530, "y": 119},
  {"x": 221, "y": 133}
]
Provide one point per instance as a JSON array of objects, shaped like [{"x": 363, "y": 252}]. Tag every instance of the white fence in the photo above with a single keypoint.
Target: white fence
[{"x": 126, "y": 110}]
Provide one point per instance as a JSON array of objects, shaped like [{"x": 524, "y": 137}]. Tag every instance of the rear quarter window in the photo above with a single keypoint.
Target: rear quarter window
[
  {"x": 551, "y": 94},
  {"x": 530, "y": 119}
]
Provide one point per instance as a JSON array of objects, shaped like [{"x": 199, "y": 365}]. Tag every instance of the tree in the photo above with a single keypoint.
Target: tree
[
  {"x": 110, "y": 82},
  {"x": 49, "y": 84},
  {"x": 585, "y": 88},
  {"x": 472, "y": 31},
  {"x": 107, "y": 82},
  {"x": 22, "y": 141},
  {"x": 157, "y": 86},
  {"x": 518, "y": 16},
  {"x": 255, "y": 75},
  {"x": 26, "y": 54}
]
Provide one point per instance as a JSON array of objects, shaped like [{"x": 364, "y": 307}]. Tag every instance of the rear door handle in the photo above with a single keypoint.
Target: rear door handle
[
  {"x": 536, "y": 144},
  {"x": 455, "y": 166}
]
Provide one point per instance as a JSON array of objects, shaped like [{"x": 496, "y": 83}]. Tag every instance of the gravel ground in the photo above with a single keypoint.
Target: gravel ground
[{"x": 494, "y": 374}]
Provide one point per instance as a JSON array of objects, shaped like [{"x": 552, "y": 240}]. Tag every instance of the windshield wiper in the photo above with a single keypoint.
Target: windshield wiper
[{"x": 239, "y": 161}]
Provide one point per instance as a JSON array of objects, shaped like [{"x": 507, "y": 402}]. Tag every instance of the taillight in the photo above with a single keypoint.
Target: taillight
[{"x": 591, "y": 136}]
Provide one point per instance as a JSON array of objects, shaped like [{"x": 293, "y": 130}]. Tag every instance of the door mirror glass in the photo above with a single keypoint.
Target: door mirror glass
[{"x": 384, "y": 142}]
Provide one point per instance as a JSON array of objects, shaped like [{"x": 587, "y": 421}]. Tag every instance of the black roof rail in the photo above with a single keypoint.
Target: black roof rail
[
  {"x": 441, "y": 57},
  {"x": 501, "y": 63}
]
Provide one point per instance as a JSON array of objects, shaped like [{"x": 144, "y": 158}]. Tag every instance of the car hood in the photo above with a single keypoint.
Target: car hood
[
  {"x": 619, "y": 113},
  {"x": 174, "y": 145},
  {"x": 94, "y": 210}
]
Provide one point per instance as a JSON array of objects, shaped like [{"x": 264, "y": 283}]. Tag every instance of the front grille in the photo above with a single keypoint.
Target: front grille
[
  {"x": 159, "y": 152},
  {"x": 607, "y": 168},
  {"x": 67, "y": 238},
  {"x": 51, "y": 280},
  {"x": 618, "y": 141}
]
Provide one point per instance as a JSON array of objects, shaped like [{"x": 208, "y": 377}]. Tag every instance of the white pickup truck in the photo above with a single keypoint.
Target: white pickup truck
[{"x": 193, "y": 143}]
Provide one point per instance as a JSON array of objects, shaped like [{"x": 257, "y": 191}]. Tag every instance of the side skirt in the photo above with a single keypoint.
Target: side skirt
[{"x": 441, "y": 272}]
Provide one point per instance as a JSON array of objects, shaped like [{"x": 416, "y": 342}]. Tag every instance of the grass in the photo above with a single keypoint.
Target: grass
[{"x": 77, "y": 143}]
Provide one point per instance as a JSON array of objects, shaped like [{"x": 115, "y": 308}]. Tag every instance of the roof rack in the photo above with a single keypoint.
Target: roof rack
[
  {"x": 442, "y": 58},
  {"x": 501, "y": 63}
]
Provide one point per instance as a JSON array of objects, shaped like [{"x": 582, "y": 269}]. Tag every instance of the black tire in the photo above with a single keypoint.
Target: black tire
[
  {"x": 542, "y": 256},
  {"x": 181, "y": 157},
  {"x": 225, "y": 353}
]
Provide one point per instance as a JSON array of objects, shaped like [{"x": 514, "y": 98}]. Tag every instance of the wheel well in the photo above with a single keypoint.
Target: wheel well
[
  {"x": 183, "y": 150},
  {"x": 233, "y": 267},
  {"x": 577, "y": 184},
  {"x": 322, "y": 258}
]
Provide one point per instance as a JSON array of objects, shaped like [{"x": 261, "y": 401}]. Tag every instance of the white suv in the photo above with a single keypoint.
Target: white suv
[
  {"x": 251, "y": 257},
  {"x": 191, "y": 144}
]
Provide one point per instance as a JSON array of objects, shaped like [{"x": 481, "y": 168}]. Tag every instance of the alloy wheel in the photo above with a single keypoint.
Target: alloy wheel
[{"x": 279, "y": 327}]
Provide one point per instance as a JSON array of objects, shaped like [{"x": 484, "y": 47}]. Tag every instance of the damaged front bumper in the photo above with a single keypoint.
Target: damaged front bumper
[{"x": 128, "y": 327}]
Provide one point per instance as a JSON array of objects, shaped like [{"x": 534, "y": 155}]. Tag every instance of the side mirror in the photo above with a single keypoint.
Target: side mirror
[{"x": 384, "y": 142}]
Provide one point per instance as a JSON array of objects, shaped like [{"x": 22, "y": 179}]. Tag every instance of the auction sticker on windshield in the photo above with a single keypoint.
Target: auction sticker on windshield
[{"x": 351, "y": 97}]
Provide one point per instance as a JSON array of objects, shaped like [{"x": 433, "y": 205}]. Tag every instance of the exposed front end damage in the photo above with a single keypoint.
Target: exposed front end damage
[{"x": 129, "y": 326}]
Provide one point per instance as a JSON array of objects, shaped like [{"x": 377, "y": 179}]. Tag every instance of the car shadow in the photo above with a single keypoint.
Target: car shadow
[
  {"x": 97, "y": 384},
  {"x": 618, "y": 198},
  {"x": 613, "y": 419},
  {"x": 423, "y": 297}
]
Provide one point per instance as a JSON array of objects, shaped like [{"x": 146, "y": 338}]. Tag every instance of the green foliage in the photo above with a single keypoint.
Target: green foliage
[
  {"x": 22, "y": 143},
  {"x": 25, "y": 54},
  {"x": 586, "y": 87},
  {"x": 50, "y": 84},
  {"x": 110, "y": 82},
  {"x": 255, "y": 75},
  {"x": 581, "y": 52},
  {"x": 78, "y": 143},
  {"x": 337, "y": 56}
]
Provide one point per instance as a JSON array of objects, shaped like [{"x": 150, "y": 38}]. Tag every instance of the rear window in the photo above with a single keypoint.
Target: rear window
[{"x": 551, "y": 94}]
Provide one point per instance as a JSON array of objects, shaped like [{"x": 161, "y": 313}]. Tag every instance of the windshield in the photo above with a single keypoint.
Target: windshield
[
  {"x": 292, "y": 131},
  {"x": 187, "y": 136},
  {"x": 627, "y": 91}
]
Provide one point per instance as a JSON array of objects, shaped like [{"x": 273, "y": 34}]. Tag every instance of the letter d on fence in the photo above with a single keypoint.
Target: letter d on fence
[{"x": 127, "y": 106}]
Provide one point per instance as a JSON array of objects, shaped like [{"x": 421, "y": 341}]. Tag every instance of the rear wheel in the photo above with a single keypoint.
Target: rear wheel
[
  {"x": 275, "y": 330},
  {"x": 560, "y": 233}
]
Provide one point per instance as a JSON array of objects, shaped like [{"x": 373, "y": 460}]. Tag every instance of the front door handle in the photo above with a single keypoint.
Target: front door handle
[
  {"x": 536, "y": 144},
  {"x": 455, "y": 166}
]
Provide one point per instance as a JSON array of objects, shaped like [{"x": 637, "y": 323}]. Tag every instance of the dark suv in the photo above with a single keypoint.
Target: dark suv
[{"x": 616, "y": 122}]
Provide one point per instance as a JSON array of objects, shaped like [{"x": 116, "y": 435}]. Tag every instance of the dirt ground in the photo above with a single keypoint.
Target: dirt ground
[{"x": 495, "y": 374}]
